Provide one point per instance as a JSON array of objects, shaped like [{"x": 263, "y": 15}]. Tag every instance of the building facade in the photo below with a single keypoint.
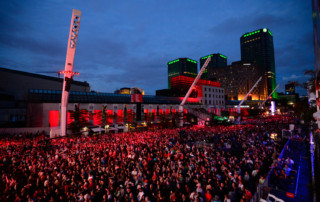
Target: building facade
[
  {"x": 182, "y": 66},
  {"x": 217, "y": 60},
  {"x": 238, "y": 78},
  {"x": 212, "y": 96},
  {"x": 15, "y": 92},
  {"x": 33, "y": 100},
  {"x": 257, "y": 47}
]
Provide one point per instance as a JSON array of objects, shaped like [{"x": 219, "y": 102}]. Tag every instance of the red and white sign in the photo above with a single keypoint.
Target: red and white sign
[{"x": 136, "y": 98}]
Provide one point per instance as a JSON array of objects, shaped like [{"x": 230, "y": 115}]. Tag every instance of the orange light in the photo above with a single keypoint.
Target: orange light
[{"x": 69, "y": 72}]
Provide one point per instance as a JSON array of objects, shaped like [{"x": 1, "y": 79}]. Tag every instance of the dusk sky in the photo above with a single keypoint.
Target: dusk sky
[{"x": 128, "y": 43}]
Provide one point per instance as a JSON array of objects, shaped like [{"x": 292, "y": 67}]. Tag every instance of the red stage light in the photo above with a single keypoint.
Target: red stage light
[{"x": 54, "y": 118}]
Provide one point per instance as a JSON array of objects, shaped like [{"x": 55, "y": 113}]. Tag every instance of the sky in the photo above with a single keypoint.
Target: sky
[{"x": 128, "y": 43}]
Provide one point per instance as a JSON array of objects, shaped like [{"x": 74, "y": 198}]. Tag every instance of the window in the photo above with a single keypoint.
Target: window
[
  {"x": 210, "y": 102},
  {"x": 205, "y": 95},
  {"x": 205, "y": 102}
]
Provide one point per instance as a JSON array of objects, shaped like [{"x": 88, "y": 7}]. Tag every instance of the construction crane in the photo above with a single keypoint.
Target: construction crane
[
  {"x": 261, "y": 106},
  {"x": 244, "y": 99},
  {"x": 190, "y": 90},
  {"x": 68, "y": 72}
]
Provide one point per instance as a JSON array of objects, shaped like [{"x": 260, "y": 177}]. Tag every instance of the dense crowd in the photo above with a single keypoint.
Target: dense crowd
[{"x": 221, "y": 163}]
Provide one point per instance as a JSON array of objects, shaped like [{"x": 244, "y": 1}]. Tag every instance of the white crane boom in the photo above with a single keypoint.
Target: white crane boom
[
  {"x": 244, "y": 99},
  {"x": 195, "y": 81},
  {"x": 269, "y": 95},
  {"x": 190, "y": 90},
  {"x": 68, "y": 73}
]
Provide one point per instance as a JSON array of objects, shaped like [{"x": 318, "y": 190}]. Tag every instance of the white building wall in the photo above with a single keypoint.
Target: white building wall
[{"x": 213, "y": 97}]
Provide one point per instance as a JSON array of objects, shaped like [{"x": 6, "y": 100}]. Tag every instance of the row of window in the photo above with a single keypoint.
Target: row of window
[
  {"x": 217, "y": 90},
  {"x": 217, "y": 96}
]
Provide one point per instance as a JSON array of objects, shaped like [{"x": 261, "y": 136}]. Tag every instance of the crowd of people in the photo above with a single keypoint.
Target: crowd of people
[{"x": 163, "y": 165}]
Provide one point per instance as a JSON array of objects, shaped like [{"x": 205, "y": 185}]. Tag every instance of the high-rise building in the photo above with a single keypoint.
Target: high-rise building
[
  {"x": 182, "y": 67},
  {"x": 257, "y": 47},
  {"x": 238, "y": 78},
  {"x": 217, "y": 60}
]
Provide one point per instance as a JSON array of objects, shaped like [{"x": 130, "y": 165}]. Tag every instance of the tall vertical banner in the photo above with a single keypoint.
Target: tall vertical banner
[{"x": 68, "y": 73}]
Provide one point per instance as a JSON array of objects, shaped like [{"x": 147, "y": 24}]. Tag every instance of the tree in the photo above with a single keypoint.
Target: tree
[
  {"x": 309, "y": 84},
  {"x": 164, "y": 121},
  {"x": 302, "y": 108},
  {"x": 80, "y": 119},
  {"x": 303, "y": 111},
  {"x": 104, "y": 115}
]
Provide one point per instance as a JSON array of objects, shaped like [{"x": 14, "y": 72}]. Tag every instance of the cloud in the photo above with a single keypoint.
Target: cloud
[
  {"x": 129, "y": 44},
  {"x": 293, "y": 77}
]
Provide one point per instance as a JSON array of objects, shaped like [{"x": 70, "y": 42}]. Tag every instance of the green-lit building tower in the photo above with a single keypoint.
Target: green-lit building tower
[
  {"x": 182, "y": 66},
  {"x": 257, "y": 47},
  {"x": 217, "y": 60}
]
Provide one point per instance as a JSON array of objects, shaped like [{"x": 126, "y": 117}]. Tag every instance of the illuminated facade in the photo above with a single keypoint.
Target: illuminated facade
[
  {"x": 185, "y": 82},
  {"x": 257, "y": 47},
  {"x": 217, "y": 60},
  {"x": 238, "y": 78},
  {"x": 182, "y": 66},
  {"x": 125, "y": 90}
]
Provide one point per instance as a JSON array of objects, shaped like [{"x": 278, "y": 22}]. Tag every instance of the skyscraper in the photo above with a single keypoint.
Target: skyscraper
[
  {"x": 182, "y": 67},
  {"x": 257, "y": 47},
  {"x": 238, "y": 78},
  {"x": 217, "y": 60}
]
